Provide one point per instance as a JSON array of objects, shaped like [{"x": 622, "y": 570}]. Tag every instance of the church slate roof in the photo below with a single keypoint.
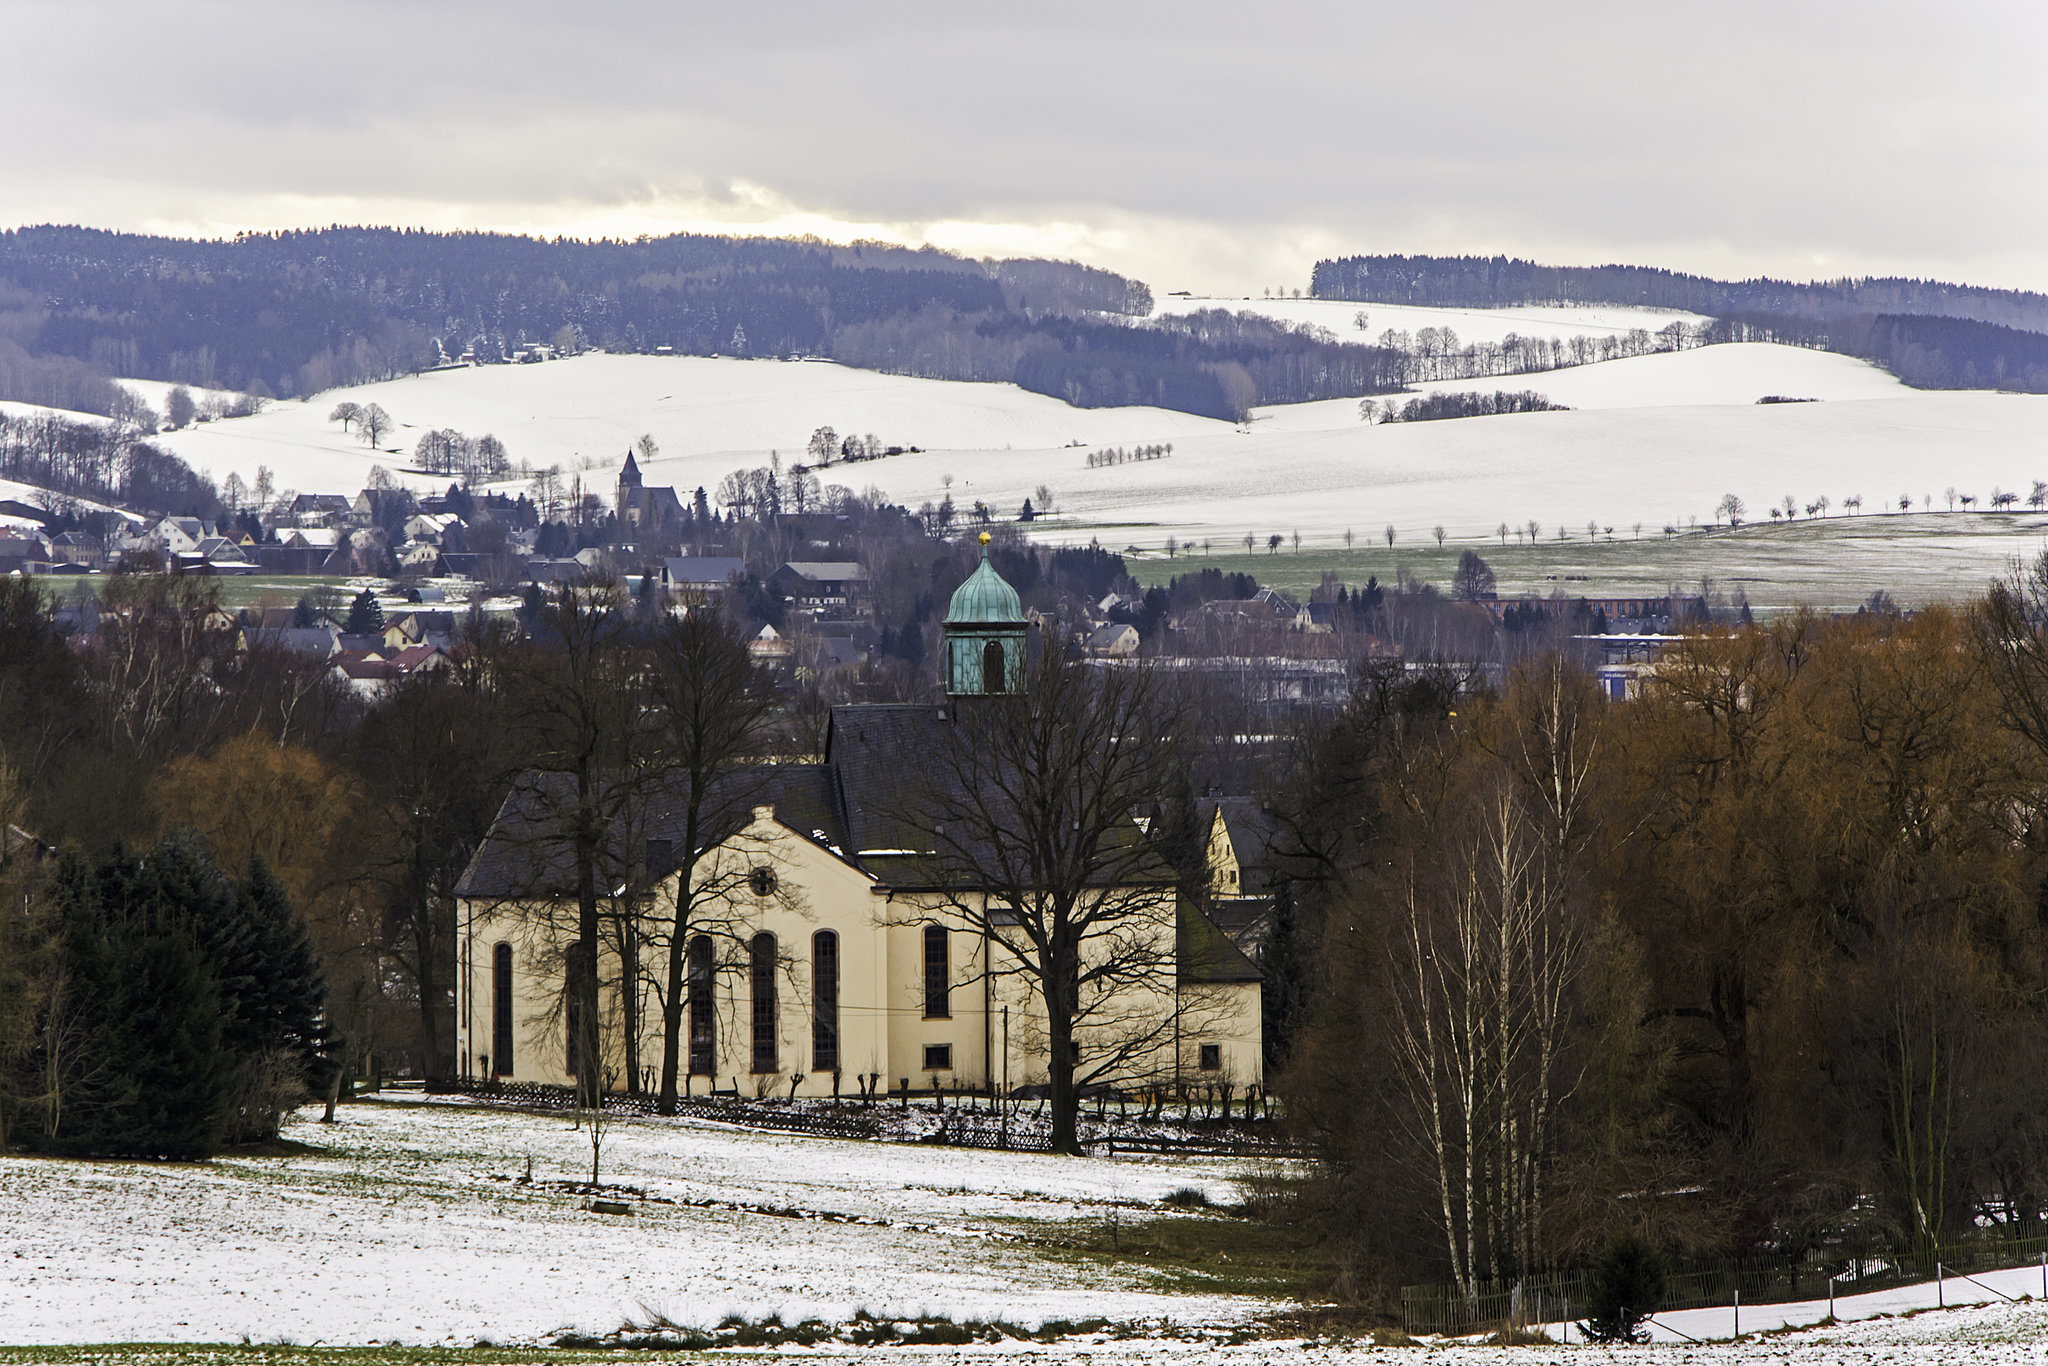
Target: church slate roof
[
  {"x": 523, "y": 857},
  {"x": 1205, "y": 954},
  {"x": 861, "y": 803}
]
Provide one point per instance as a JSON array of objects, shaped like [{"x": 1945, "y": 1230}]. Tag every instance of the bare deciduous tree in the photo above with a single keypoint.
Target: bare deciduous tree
[{"x": 1036, "y": 850}]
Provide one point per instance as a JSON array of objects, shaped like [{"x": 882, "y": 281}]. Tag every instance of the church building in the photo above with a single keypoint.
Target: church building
[
  {"x": 819, "y": 956},
  {"x": 643, "y": 509}
]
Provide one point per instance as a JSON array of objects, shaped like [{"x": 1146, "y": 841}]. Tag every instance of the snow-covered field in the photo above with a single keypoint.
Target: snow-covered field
[
  {"x": 1655, "y": 439},
  {"x": 1737, "y": 373},
  {"x": 410, "y": 1225},
  {"x": 709, "y": 416}
]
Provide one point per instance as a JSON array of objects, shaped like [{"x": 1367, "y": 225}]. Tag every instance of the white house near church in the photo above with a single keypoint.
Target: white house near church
[{"x": 823, "y": 962}]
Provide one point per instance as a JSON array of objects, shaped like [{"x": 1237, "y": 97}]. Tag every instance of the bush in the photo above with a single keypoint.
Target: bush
[
  {"x": 1187, "y": 1197},
  {"x": 1627, "y": 1287}
]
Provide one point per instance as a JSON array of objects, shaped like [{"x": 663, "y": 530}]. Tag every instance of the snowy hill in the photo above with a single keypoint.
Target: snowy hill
[
  {"x": 1304, "y": 472},
  {"x": 708, "y": 415},
  {"x": 1656, "y": 439}
]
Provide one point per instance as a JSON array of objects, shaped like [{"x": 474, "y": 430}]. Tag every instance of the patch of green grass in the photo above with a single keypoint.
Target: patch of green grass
[
  {"x": 248, "y": 1354},
  {"x": 1829, "y": 562},
  {"x": 1205, "y": 1255}
]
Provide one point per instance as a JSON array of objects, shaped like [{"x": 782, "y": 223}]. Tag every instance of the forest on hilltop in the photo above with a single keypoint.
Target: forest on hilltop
[{"x": 289, "y": 314}]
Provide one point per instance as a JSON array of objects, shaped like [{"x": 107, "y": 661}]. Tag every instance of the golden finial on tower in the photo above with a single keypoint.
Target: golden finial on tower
[{"x": 986, "y": 538}]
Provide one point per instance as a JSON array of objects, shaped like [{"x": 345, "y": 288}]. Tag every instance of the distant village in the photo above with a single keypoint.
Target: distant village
[{"x": 837, "y": 594}]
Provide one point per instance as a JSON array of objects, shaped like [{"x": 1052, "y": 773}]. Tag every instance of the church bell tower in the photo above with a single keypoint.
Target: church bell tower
[{"x": 985, "y": 631}]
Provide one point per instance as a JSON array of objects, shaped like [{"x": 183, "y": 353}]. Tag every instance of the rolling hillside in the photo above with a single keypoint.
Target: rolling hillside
[{"x": 1657, "y": 439}]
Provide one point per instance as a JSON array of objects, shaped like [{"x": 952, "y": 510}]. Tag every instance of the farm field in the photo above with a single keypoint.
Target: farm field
[
  {"x": 408, "y": 1222},
  {"x": 1831, "y": 565},
  {"x": 411, "y": 1232}
]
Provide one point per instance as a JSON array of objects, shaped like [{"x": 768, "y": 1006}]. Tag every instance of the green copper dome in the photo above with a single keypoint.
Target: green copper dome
[{"x": 985, "y": 597}]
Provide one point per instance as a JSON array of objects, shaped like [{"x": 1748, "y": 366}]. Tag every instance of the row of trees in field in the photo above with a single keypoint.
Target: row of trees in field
[
  {"x": 1117, "y": 455},
  {"x": 1749, "y": 966},
  {"x": 1454, "y": 404}
]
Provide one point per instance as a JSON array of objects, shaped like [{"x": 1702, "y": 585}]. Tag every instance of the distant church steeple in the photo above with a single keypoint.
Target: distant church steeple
[{"x": 985, "y": 629}]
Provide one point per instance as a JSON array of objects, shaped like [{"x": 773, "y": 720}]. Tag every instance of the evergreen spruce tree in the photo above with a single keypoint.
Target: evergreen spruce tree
[
  {"x": 273, "y": 1003},
  {"x": 1287, "y": 959},
  {"x": 141, "y": 1072},
  {"x": 365, "y": 614}
]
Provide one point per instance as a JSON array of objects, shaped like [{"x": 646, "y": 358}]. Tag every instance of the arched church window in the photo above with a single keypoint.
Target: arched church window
[
  {"x": 501, "y": 1011},
  {"x": 825, "y": 1001},
  {"x": 992, "y": 680},
  {"x": 761, "y": 980},
  {"x": 703, "y": 1022}
]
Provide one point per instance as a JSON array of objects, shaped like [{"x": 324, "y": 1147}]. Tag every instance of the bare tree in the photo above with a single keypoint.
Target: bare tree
[
  {"x": 373, "y": 424},
  {"x": 710, "y": 705},
  {"x": 344, "y": 412},
  {"x": 1486, "y": 962},
  {"x": 1029, "y": 807},
  {"x": 1390, "y": 535},
  {"x": 575, "y": 700},
  {"x": 1438, "y": 532}
]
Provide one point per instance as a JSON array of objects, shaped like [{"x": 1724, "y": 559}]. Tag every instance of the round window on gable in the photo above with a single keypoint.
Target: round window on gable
[{"x": 762, "y": 881}]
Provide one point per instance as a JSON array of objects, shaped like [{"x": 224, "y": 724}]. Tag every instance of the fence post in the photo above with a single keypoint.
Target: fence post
[
  {"x": 1738, "y": 1309},
  {"x": 1940, "y": 1301}
]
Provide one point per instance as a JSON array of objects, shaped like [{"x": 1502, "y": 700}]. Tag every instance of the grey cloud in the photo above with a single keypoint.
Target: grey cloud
[{"x": 1734, "y": 137}]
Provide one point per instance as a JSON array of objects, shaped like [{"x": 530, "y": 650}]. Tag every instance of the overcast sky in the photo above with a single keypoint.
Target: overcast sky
[{"x": 1199, "y": 146}]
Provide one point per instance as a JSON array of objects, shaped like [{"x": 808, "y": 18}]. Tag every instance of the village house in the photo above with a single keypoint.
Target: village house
[
  {"x": 1239, "y": 839},
  {"x": 1114, "y": 641},
  {"x": 838, "y": 587},
  {"x": 822, "y": 959},
  {"x": 700, "y": 578}
]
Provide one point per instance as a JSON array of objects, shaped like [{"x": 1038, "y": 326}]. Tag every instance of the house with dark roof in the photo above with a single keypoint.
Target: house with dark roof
[
  {"x": 828, "y": 947},
  {"x": 1239, "y": 842},
  {"x": 702, "y": 577},
  {"x": 838, "y": 586}
]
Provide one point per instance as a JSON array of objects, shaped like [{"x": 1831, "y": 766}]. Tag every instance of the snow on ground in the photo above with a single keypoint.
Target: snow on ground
[
  {"x": 1471, "y": 324},
  {"x": 1734, "y": 373},
  {"x": 708, "y": 415},
  {"x": 1297, "y": 472},
  {"x": 1654, "y": 440},
  {"x": 153, "y": 392},
  {"x": 410, "y": 1224}
]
